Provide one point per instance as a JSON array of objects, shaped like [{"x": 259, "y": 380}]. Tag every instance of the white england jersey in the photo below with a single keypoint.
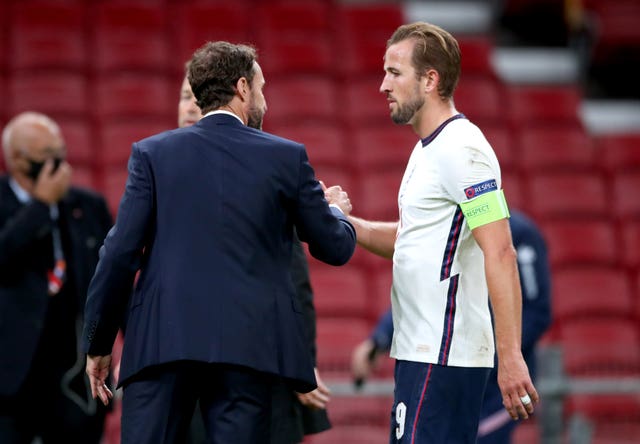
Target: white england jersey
[{"x": 439, "y": 294}]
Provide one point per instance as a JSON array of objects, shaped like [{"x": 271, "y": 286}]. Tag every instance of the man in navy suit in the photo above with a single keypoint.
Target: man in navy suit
[
  {"x": 293, "y": 415},
  {"x": 207, "y": 217}
]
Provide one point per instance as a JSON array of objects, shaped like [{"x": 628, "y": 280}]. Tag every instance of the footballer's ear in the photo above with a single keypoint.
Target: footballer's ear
[{"x": 431, "y": 80}]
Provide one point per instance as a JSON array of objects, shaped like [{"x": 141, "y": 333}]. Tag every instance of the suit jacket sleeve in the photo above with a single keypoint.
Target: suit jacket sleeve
[
  {"x": 304, "y": 293},
  {"x": 120, "y": 256},
  {"x": 331, "y": 237}
]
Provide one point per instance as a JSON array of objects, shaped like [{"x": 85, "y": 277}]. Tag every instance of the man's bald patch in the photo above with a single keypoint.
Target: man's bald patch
[{"x": 19, "y": 125}]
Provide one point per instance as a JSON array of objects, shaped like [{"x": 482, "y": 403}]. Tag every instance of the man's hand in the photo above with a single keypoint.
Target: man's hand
[
  {"x": 318, "y": 398},
  {"x": 51, "y": 186},
  {"x": 335, "y": 196},
  {"x": 364, "y": 360},
  {"x": 98, "y": 370}
]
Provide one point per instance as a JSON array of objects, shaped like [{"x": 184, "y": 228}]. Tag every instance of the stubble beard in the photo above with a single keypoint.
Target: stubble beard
[
  {"x": 254, "y": 119},
  {"x": 404, "y": 113}
]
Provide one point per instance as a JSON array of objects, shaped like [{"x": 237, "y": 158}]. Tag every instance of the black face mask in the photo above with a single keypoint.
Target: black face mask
[{"x": 36, "y": 167}]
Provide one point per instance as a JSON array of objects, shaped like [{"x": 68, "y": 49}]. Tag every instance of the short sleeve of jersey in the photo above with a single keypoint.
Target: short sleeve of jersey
[{"x": 468, "y": 172}]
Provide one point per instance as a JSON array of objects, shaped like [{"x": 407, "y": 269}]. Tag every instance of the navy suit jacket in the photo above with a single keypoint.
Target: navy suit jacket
[
  {"x": 26, "y": 256},
  {"x": 207, "y": 217}
]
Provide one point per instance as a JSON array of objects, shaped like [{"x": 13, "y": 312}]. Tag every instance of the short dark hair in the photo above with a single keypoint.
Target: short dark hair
[
  {"x": 435, "y": 49},
  {"x": 214, "y": 71}
]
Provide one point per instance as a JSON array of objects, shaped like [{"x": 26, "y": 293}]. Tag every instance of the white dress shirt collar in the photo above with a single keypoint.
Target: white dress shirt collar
[{"x": 221, "y": 111}]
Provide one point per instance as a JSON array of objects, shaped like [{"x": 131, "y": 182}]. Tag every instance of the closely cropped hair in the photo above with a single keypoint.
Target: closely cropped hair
[
  {"x": 435, "y": 49},
  {"x": 214, "y": 71}
]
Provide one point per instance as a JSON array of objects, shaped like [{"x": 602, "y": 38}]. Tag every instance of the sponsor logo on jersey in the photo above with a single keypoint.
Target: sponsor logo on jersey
[{"x": 480, "y": 188}]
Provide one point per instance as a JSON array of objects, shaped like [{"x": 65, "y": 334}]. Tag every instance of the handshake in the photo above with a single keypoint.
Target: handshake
[{"x": 336, "y": 196}]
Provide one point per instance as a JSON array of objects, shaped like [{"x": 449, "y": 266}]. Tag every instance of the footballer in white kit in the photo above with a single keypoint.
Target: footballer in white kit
[{"x": 439, "y": 294}]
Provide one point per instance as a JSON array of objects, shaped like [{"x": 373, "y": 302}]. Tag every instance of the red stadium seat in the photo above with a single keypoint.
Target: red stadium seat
[
  {"x": 619, "y": 152},
  {"x": 363, "y": 31},
  {"x": 513, "y": 190},
  {"x": 3, "y": 103},
  {"x": 115, "y": 179},
  {"x": 83, "y": 176},
  {"x": 336, "y": 338},
  {"x": 476, "y": 55},
  {"x": 56, "y": 94},
  {"x": 617, "y": 430},
  {"x": 47, "y": 34},
  {"x": 380, "y": 148},
  {"x": 340, "y": 291},
  {"x": 79, "y": 142},
  {"x": 300, "y": 99},
  {"x": 4, "y": 40},
  {"x": 604, "y": 407},
  {"x": 600, "y": 346},
  {"x": 116, "y": 139},
  {"x": 381, "y": 277},
  {"x": 365, "y": 103},
  {"x": 637, "y": 299},
  {"x": 131, "y": 36},
  {"x": 581, "y": 242},
  {"x": 359, "y": 434},
  {"x": 630, "y": 231},
  {"x": 569, "y": 195},
  {"x": 625, "y": 200},
  {"x": 546, "y": 148},
  {"x": 130, "y": 95},
  {"x": 295, "y": 37},
  {"x": 503, "y": 145},
  {"x": 201, "y": 21},
  {"x": 617, "y": 28},
  {"x": 543, "y": 104},
  {"x": 325, "y": 143},
  {"x": 335, "y": 175},
  {"x": 379, "y": 196},
  {"x": 480, "y": 99},
  {"x": 358, "y": 410},
  {"x": 579, "y": 293},
  {"x": 527, "y": 432}
]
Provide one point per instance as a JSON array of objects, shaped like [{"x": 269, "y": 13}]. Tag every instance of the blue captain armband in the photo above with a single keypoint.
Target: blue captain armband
[{"x": 486, "y": 208}]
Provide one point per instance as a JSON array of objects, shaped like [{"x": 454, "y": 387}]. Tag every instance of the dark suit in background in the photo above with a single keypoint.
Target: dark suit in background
[{"x": 42, "y": 381}]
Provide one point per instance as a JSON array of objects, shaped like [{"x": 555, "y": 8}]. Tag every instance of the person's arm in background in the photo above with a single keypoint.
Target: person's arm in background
[
  {"x": 319, "y": 397},
  {"x": 366, "y": 355},
  {"x": 535, "y": 280}
]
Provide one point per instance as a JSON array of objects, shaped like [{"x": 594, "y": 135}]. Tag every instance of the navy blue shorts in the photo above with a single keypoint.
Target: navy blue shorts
[{"x": 436, "y": 404}]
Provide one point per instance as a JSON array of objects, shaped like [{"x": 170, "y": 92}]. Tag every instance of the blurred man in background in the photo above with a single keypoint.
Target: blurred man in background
[
  {"x": 294, "y": 414},
  {"x": 533, "y": 265},
  {"x": 50, "y": 233}
]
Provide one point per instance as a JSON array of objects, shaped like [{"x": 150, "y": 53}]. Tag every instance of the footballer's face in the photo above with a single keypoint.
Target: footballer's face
[
  {"x": 188, "y": 111},
  {"x": 401, "y": 84}
]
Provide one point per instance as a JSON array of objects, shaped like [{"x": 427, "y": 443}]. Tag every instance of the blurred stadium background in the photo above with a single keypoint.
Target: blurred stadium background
[{"x": 553, "y": 84}]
